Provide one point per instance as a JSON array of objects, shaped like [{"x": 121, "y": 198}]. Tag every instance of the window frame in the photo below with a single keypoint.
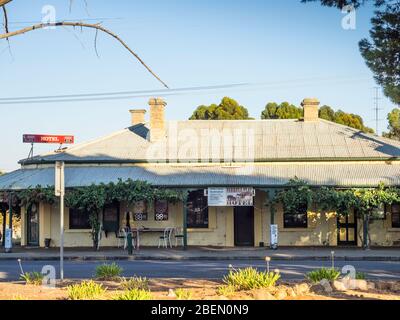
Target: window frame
[
  {"x": 201, "y": 203},
  {"x": 395, "y": 225},
  {"x": 114, "y": 205},
  {"x": 165, "y": 214},
  {"x": 304, "y": 224},
  {"x": 78, "y": 227}
]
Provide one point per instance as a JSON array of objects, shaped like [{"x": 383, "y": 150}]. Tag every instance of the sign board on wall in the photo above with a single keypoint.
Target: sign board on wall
[
  {"x": 274, "y": 236},
  {"x": 46, "y": 138},
  {"x": 230, "y": 197},
  {"x": 8, "y": 239}
]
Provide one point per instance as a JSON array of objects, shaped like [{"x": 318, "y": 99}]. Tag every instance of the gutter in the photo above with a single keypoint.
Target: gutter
[{"x": 200, "y": 161}]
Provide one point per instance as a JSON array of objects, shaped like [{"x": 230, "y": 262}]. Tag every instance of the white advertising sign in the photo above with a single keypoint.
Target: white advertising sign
[
  {"x": 8, "y": 239},
  {"x": 230, "y": 197},
  {"x": 274, "y": 235}
]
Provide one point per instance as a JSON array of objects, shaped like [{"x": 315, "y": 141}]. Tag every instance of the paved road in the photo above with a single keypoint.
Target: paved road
[{"x": 290, "y": 270}]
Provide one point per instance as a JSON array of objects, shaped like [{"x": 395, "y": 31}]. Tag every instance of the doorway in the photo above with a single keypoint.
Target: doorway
[
  {"x": 347, "y": 230},
  {"x": 32, "y": 225},
  {"x": 244, "y": 226}
]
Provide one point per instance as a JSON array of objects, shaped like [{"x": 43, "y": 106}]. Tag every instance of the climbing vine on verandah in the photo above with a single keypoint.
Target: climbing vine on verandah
[
  {"x": 93, "y": 198},
  {"x": 27, "y": 197},
  {"x": 365, "y": 201}
]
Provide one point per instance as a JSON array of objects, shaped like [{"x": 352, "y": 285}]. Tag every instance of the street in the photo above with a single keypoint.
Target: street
[{"x": 290, "y": 270}]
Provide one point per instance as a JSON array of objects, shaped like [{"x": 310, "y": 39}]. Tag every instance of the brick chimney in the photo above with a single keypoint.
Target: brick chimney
[
  {"x": 157, "y": 119},
  {"x": 311, "y": 109},
  {"x": 137, "y": 117}
]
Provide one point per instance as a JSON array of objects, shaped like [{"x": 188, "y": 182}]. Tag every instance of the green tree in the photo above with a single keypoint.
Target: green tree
[
  {"x": 228, "y": 109},
  {"x": 344, "y": 118},
  {"x": 394, "y": 125},
  {"x": 289, "y": 111},
  {"x": 283, "y": 111},
  {"x": 382, "y": 52},
  {"x": 327, "y": 113}
]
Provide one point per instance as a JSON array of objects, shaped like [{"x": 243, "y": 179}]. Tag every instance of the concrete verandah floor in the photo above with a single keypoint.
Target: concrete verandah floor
[{"x": 205, "y": 253}]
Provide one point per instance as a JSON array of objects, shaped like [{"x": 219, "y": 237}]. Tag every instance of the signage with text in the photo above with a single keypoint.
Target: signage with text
[
  {"x": 46, "y": 138},
  {"x": 230, "y": 197}
]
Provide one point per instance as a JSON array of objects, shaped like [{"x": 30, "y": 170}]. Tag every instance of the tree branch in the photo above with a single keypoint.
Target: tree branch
[
  {"x": 82, "y": 25},
  {"x": 4, "y": 2},
  {"x": 5, "y": 19}
]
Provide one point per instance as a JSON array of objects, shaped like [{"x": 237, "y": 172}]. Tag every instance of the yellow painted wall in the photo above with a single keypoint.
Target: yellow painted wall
[{"x": 321, "y": 231}]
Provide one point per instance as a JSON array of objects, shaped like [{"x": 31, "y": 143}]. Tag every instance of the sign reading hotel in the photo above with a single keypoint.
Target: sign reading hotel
[
  {"x": 230, "y": 197},
  {"x": 45, "y": 138}
]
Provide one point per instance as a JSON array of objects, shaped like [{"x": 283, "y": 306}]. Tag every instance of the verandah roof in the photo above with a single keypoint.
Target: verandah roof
[{"x": 342, "y": 174}]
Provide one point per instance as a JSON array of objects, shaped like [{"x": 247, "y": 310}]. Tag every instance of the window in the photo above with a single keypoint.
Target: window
[
  {"x": 111, "y": 217},
  {"x": 296, "y": 219},
  {"x": 78, "y": 219},
  {"x": 396, "y": 216},
  {"x": 197, "y": 210},
  {"x": 161, "y": 210},
  {"x": 140, "y": 211}
]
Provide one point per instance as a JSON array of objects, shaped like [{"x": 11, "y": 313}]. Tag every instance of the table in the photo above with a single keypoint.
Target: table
[{"x": 145, "y": 230}]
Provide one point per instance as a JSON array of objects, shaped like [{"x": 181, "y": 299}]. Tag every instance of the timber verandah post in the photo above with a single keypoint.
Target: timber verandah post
[
  {"x": 271, "y": 194},
  {"x": 4, "y": 214},
  {"x": 185, "y": 211}
]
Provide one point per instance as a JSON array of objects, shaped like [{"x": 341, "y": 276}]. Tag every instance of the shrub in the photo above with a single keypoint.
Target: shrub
[
  {"x": 361, "y": 275},
  {"x": 34, "y": 278},
  {"x": 318, "y": 275},
  {"x": 183, "y": 294},
  {"x": 134, "y": 294},
  {"x": 108, "y": 271},
  {"x": 135, "y": 283},
  {"x": 250, "y": 278},
  {"x": 226, "y": 290},
  {"x": 87, "y": 290}
]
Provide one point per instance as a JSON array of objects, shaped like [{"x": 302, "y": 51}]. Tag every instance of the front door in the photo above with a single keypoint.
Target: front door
[
  {"x": 347, "y": 230},
  {"x": 32, "y": 216},
  {"x": 244, "y": 226}
]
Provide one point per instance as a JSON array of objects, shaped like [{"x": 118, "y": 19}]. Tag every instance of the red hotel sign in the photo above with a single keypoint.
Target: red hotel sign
[{"x": 45, "y": 138}]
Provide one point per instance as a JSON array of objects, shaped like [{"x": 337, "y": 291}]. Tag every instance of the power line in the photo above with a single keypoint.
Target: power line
[{"x": 121, "y": 95}]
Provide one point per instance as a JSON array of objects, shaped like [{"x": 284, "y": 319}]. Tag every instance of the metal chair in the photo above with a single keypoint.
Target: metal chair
[
  {"x": 165, "y": 239},
  {"x": 121, "y": 236},
  {"x": 179, "y": 237}
]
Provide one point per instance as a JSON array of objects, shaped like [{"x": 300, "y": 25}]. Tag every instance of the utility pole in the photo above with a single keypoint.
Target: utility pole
[
  {"x": 59, "y": 187},
  {"x": 377, "y": 109}
]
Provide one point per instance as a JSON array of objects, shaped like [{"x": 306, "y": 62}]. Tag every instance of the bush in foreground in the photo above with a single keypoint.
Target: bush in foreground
[
  {"x": 35, "y": 278},
  {"x": 318, "y": 275},
  {"x": 183, "y": 294},
  {"x": 87, "y": 290},
  {"x": 108, "y": 272},
  {"x": 134, "y": 294},
  {"x": 135, "y": 283},
  {"x": 250, "y": 278}
]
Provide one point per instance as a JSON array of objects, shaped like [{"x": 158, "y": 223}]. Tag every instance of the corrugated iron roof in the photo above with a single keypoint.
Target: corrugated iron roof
[
  {"x": 258, "y": 140},
  {"x": 262, "y": 175}
]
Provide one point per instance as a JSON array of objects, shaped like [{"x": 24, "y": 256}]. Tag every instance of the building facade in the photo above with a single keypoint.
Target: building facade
[{"x": 226, "y": 157}]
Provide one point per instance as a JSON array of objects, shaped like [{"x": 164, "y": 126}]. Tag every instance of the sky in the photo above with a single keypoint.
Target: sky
[{"x": 285, "y": 50}]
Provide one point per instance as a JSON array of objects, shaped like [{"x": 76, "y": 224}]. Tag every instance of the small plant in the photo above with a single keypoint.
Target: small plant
[
  {"x": 361, "y": 276},
  {"x": 250, "y": 278},
  {"x": 87, "y": 290},
  {"x": 318, "y": 275},
  {"x": 183, "y": 294},
  {"x": 34, "y": 278},
  {"x": 134, "y": 294},
  {"x": 108, "y": 272},
  {"x": 135, "y": 283},
  {"x": 226, "y": 290}
]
